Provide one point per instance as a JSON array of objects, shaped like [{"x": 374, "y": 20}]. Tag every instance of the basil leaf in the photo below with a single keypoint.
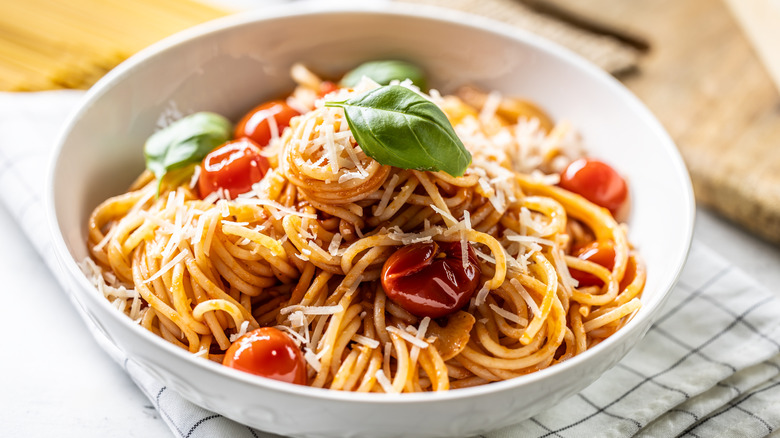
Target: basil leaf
[
  {"x": 383, "y": 72},
  {"x": 398, "y": 127},
  {"x": 185, "y": 141}
]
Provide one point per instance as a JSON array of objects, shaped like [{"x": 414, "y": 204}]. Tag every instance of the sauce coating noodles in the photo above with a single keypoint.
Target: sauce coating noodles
[{"x": 303, "y": 251}]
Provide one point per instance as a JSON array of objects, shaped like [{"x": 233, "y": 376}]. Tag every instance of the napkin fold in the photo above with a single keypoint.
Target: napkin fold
[{"x": 710, "y": 365}]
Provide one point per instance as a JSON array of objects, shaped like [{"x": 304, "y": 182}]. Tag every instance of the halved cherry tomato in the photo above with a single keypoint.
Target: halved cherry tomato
[
  {"x": 601, "y": 252},
  {"x": 233, "y": 167},
  {"x": 255, "y": 124},
  {"x": 429, "y": 279},
  {"x": 597, "y": 182},
  {"x": 267, "y": 352}
]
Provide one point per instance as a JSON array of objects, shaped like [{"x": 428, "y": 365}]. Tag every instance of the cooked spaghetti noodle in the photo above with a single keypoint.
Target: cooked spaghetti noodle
[{"x": 304, "y": 249}]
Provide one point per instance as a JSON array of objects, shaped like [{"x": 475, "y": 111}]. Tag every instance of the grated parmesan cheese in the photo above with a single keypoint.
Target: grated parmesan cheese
[
  {"x": 444, "y": 214},
  {"x": 464, "y": 257},
  {"x": 335, "y": 244},
  {"x": 427, "y": 235},
  {"x": 105, "y": 240},
  {"x": 529, "y": 239},
  {"x": 509, "y": 315},
  {"x": 482, "y": 295},
  {"x": 384, "y": 382},
  {"x": 224, "y": 208},
  {"x": 209, "y": 235},
  {"x": 567, "y": 281},
  {"x": 296, "y": 337},
  {"x": 423, "y": 327},
  {"x": 407, "y": 337},
  {"x": 312, "y": 310},
  {"x": 212, "y": 197},
  {"x": 486, "y": 257},
  {"x": 195, "y": 177},
  {"x": 241, "y": 331},
  {"x": 330, "y": 147},
  {"x": 368, "y": 342},
  {"x": 272, "y": 206},
  {"x": 167, "y": 267},
  {"x": 199, "y": 231},
  {"x": 312, "y": 359},
  {"x": 490, "y": 106},
  {"x": 527, "y": 297},
  {"x": 298, "y": 319},
  {"x": 389, "y": 190}
]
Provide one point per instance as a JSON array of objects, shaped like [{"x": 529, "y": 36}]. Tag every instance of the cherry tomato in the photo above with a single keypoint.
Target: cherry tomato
[
  {"x": 269, "y": 353},
  {"x": 255, "y": 124},
  {"x": 428, "y": 279},
  {"x": 327, "y": 87},
  {"x": 602, "y": 253},
  {"x": 597, "y": 182},
  {"x": 234, "y": 167}
]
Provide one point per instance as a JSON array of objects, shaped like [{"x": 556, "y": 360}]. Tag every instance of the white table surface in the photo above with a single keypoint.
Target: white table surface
[{"x": 56, "y": 381}]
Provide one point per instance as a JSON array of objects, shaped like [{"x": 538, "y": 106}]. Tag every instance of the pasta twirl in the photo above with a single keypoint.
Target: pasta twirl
[{"x": 306, "y": 250}]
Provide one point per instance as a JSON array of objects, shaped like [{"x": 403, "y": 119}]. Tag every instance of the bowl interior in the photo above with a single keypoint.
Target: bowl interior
[{"x": 231, "y": 65}]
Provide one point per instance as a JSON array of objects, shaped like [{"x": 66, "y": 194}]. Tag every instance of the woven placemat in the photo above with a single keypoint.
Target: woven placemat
[{"x": 607, "y": 51}]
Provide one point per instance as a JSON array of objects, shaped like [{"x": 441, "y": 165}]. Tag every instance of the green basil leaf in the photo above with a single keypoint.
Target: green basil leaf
[
  {"x": 398, "y": 127},
  {"x": 185, "y": 141},
  {"x": 383, "y": 72}
]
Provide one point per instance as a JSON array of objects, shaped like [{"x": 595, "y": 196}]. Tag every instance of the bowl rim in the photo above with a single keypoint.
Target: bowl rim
[{"x": 452, "y": 17}]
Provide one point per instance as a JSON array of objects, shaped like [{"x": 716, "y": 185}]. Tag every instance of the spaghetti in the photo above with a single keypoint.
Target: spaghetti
[{"x": 304, "y": 249}]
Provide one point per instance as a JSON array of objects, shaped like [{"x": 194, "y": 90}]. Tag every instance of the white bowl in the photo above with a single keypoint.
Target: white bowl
[{"x": 229, "y": 65}]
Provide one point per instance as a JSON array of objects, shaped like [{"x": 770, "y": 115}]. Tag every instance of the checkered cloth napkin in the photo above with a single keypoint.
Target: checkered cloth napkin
[{"x": 709, "y": 367}]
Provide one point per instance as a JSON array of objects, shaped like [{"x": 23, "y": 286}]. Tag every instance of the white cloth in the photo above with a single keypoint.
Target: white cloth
[{"x": 709, "y": 367}]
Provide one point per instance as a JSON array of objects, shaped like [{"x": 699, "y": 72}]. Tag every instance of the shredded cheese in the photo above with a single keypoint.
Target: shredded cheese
[
  {"x": 527, "y": 297},
  {"x": 241, "y": 331},
  {"x": 209, "y": 235},
  {"x": 272, "y": 206},
  {"x": 529, "y": 239},
  {"x": 444, "y": 214},
  {"x": 312, "y": 359},
  {"x": 509, "y": 315},
  {"x": 482, "y": 295},
  {"x": 384, "y": 382},
  {"x": 167, "y": 267},
  {"x": 335, "y": 244},
  {"x": 312, "y": 310},
  {"x": 395, "y": 233},
  {"x": 407, "y": 337},
  {"x": 368, "y": 342},
  {"x": 389, "y": 190}
]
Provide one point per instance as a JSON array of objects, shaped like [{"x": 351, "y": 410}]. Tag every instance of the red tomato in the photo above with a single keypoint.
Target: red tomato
[
  {"x": 233, "y": 167},
  {"x": 597, "y": 182},
  {"x": 269, "y": 353},
  {"x": 428, "y": 279},
  {"x": 255, "y": 124},
  {"x": 602, "y": 253},
  {"x": 327, "y": 87}
]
